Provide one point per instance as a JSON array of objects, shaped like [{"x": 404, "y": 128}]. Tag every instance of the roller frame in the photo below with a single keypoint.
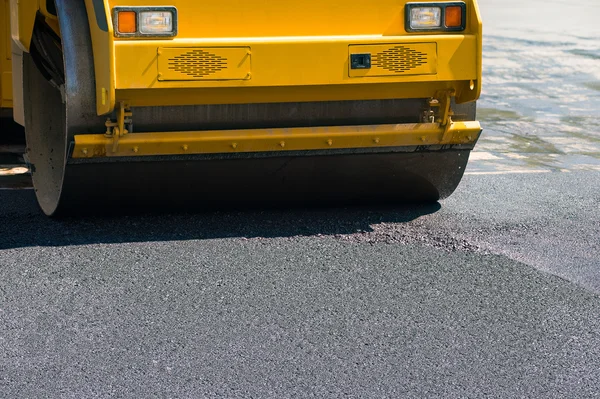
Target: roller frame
[{"x": 56, "y": 118}]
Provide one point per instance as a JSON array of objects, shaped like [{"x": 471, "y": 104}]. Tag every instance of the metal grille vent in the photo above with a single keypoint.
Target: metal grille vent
[
  {"x": 197, "y": 63},
  {"x": 399, "y": 59}
]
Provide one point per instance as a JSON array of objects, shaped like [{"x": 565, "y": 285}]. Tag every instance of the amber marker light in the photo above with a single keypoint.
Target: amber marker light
[
  {"x": 127, "y": 22},
  {"x": 453, "y": 18}
]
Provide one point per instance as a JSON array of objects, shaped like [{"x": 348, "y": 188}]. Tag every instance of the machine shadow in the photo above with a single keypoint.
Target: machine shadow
[{"x": 22, "y": 224}]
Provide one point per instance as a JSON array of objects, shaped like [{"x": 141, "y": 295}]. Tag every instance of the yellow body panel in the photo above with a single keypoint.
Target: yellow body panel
[
  {"x": 299, "y": 52},
  {"x": 305, "y": 61},
  {"x": 104, "y": 58},
  {"x": 267, "y": 140},
  {"x": 235, "y": 95},
  {"x": 300, "y": 46},
  {"x": 214, "y": 19},
  {"x": 280, "y": 72},
  {"x": 267, "y": 18},
  {"x": 5, "y": 56},
  {"x": 22, "y": 19}
]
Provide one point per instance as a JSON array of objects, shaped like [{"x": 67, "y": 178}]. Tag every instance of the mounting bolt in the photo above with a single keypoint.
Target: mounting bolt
[
  {"x": 184, "y": 147},
  {"x": 330, "y": 142},
  {"x": 135, "y": 149},
  {"x": 234, "y": 145},
  {"x": 282, "y": 144},
  {"x": 84, "y": 151},
  {"x": 376, "y": 141},
  {"x": 424, "y": 139}
]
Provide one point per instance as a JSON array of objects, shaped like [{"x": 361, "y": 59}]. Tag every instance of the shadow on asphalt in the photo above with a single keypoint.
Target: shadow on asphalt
[{"x": 22, "y": 224}]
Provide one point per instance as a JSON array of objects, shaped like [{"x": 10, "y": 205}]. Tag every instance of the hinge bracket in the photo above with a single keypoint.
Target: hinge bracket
[
  {"x": 443, "y": 100},
  {"x": 120, "y": 127}
]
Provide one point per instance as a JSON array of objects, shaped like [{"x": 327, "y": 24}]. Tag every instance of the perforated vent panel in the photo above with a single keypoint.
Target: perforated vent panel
[
  {"x": 400, "y": 59},
  {"x": 197, "y": 63},
  {"x": 397, "y": 59},
  {"x": 220, "y": 63}
]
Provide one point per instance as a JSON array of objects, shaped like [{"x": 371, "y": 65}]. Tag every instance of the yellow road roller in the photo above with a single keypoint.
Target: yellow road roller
[{"x": 134, "y": 102}]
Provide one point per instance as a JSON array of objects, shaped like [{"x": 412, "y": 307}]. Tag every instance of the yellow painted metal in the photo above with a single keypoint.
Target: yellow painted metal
[
  {"x": 273, "y": 140},
  {"x": 295, "y": 61},
  {"x": 207, "y": 63},
  {"x": 238, "y": 19},
  {"x": 104, "y": 57},
  {"x": 22, "y": 19},
  {"x": 5, "y": 57},
  {"x": 301, "y": 47},
  {"x": 474, "y": 21},
  {"x": 299, "y": 52},
  {"x": 399, "y": 59},
  {"x": 225, "y": 95}
]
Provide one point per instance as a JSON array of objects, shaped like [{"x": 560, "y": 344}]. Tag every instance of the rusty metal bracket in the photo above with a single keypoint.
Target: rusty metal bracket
[{"x": 117, "y": 129}]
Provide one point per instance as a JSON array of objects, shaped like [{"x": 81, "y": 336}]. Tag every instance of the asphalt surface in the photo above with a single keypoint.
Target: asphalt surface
[{"x": 494, "y": 292}]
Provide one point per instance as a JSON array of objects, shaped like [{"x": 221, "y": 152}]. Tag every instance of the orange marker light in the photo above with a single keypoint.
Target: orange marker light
[
  {"x": 453, "y": 17},
  {"x": 127, "y": 22}
]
